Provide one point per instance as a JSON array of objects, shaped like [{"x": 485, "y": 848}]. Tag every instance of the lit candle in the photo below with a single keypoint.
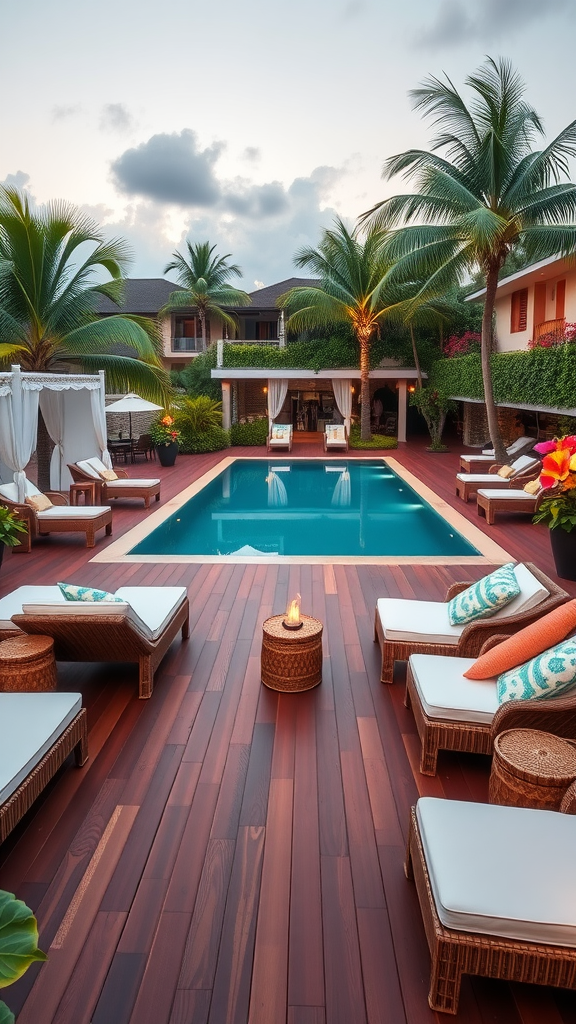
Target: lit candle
[{"x": 292, "y": 619}]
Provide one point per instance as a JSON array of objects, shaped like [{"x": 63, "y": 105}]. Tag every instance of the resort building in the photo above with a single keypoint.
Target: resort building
[
  {"x": 305, "y": 398},
  {"x": 536, "y": 301}
]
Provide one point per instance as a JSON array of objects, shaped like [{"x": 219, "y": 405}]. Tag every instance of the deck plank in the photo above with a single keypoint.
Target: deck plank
[{"x": 255, "y": 869}]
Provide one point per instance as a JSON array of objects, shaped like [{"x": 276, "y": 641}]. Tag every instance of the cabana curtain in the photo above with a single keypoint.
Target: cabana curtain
[
  {"x": 18, "y": 431},
  {"x": 78, "y": 431},
  {"x": 277, "y": 391},
  {"x": 343, "y": 395}
]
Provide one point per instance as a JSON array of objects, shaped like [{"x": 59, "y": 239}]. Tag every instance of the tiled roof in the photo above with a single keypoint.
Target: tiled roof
[
  {"x": 144, "y": 295},
  {"x": 267, "y": 298}
]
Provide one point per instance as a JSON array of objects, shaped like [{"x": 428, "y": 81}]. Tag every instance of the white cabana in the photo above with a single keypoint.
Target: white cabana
[{"x": 72, "y": 406}]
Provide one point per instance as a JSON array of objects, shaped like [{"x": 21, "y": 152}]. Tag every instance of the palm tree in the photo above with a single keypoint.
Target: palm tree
[
  {"x": 352, "y": 290},
  {"x": 488, "y": 195},
  {"x": 204, "y": 279},
  {"x": 50, "y": 260}
]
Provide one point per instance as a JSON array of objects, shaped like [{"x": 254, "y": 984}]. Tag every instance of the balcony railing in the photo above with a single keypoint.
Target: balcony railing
[
  {"x": 187, "y": 345},
  {"x": 549, "y": 327}
]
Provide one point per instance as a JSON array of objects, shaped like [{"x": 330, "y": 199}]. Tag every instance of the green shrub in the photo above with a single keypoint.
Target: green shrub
[
  {"x": 199, "y": 413},
  {"x": 542, "y": 376},
  {"x": 196, "y": 377},
  {"x": 249, "y": 433},
  {"x": 212, "y": 440},
  {"x": 376, "y": 441}
]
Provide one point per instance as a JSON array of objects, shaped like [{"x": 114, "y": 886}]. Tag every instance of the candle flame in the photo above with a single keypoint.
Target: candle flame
[{"x": 293, "y": 611}]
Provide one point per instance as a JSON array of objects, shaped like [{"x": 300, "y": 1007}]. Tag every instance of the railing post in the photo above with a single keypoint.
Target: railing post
[{"x": 220, "y": 353}]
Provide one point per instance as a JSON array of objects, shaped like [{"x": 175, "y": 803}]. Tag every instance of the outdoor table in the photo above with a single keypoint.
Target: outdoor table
[
  {"x": 27, "y": 664},
  {"x": 291, "y": 659},
  {"x": 531, "y": 768}
]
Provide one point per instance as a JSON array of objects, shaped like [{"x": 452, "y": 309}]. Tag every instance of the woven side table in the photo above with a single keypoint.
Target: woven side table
[
  {"x": 291, "y": 659},
  {"x": 27, "y": 664},
  {"x": 531, "y": 769}
]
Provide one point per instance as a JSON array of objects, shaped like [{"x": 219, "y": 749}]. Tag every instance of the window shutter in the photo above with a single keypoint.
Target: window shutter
[
  {"x": 519, "y": 311},
  {"x": 539, "y": 303},
  {"x": 560, "y": 299}
]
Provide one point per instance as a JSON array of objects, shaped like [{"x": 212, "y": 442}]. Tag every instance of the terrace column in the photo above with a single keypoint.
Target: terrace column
[
  {"x": 402, "y": 407},
  {"x": 226, "y": 414}
]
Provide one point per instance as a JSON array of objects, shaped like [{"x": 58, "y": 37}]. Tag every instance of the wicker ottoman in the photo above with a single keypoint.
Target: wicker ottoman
[
  {"x": 27, "y": 664},
  {"x": 531, "y": 768},
  {"x": 291, "y": 660}
]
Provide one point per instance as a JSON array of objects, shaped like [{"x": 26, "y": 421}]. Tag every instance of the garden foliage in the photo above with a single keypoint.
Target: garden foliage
[{"x": 542, "y": 376}]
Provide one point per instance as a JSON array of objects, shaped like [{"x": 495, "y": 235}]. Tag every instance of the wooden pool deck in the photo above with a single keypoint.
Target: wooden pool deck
[{"x": 232, "y": 855}]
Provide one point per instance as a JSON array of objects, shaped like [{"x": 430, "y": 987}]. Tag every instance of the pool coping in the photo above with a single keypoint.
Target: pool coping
[{"x": 491, "y": 553}]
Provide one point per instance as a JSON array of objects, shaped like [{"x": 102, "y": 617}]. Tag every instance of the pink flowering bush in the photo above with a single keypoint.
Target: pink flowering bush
[
  {"x": 567, "y": 336},
  {"x": 463, "y": 345}
]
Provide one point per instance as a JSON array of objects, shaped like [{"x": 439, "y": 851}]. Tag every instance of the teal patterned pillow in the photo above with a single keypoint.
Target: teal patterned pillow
[
  {"x": 485, "y": 597},
  {"x": 545, "y": 676},
  {"x": 72, "y": 593}
]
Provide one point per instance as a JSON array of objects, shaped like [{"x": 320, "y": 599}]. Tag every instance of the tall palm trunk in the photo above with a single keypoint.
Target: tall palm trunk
[
  {"x": 487, "y": 317},
  {"x": 364, "y": 342},
  {"x": 415, "y": 354},
  {"x": 202, "y": 320}
]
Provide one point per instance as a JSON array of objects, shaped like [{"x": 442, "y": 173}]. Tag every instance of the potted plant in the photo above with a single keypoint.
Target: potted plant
[
  {"x": 10, "y": 526},
  {"x": 165, "y": 438},
  {"x": 558, "y": 506},
  {"x": 18, "y": 945},
  {"x": 434, "y": 406}
]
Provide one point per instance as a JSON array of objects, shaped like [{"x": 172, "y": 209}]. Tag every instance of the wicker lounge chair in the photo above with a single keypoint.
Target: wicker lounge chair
[
  {"x": 39, "y": 731},
  {"x": 455, "y": 713},
  {"x": 524, "y": 468},
  {"x": 123, "y": 487},
  {"x": 482, "y": 463},
  {"x": 490, "y": 502},
  {"x": 495, "y": 887},
  {"x": 335, "y": 436},
  {"x": 280, "y": 436},
  {"x": 61, "y": 518},
  {"x": 140, "y": 628},
  {"x": 405, "y": 627}
]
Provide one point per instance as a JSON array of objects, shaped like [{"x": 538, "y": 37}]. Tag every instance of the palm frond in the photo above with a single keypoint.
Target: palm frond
[{"x": 124, "y": 374}]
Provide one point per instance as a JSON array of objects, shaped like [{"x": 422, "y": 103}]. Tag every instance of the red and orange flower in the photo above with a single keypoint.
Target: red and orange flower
[{"x": 559, "y": 463}]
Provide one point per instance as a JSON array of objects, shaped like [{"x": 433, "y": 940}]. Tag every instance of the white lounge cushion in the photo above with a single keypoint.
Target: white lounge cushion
[
  {"x": 412, "y": 620},
  {"x": 481, "y": 478},
  {"x": 477, "y": 458},
  {"x": 10, "y": 491},
  {"x": 90, "y": 471},
  {"x": 408, "y": 620},
  {"x": 12, "y": 603},
  {"x": 72, "y": 512},
  {"x": 514, "y": 447},
  {"x": 445, "y": 693},
  {"x": 76, "y": 608},
  {"x": 123, "y": 483},
  {"x": 155, "y": 606},
  {"x": 97, "y": 464},
  {"x": 504, "y": 871},
  {"x": 149, "y": 609},
  {"x": 31, "y": 724},
  {"x": 514, "y": 495}
]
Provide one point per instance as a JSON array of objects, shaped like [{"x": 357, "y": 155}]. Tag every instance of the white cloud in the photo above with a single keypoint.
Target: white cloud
[
  {"x": 63, "y": 112},
  {"x": 18, "y": 180},
  {"x": 170, "y": 169}
]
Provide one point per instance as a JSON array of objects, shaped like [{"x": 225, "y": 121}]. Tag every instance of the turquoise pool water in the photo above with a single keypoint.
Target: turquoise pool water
[{"x": 276, "y": 507}]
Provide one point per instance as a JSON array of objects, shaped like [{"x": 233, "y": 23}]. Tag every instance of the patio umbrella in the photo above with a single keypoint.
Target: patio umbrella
[{"x": 132, "y": 403}]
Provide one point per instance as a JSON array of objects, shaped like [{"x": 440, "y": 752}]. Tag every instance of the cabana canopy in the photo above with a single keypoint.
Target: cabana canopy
[{"x": 72, "y": 407}]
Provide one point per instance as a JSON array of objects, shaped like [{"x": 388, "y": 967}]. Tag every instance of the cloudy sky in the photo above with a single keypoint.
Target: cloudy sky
[{"x": 248, "y": 124}]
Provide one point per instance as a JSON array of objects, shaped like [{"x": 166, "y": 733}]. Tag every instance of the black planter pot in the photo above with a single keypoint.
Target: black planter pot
[
  {"x": 167, "y": 453},
  {"x": 564, "y": 551}
]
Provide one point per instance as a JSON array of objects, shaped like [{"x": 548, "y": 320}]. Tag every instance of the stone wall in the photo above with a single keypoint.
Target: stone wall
[
  {"x": 475, "y": 425},
  {"x": 120, "y": 421}
]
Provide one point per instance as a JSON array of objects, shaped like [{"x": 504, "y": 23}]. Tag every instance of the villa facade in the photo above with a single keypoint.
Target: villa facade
[
  {"x": 310, "y": 399},
  {"x": 535, "y": 301}
]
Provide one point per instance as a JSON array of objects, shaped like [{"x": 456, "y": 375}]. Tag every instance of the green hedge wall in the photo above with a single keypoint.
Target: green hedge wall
[
  {"x": 212, "y": 440},
  {"x": 543, "y": 376},
  {"x": 249, "y": 433}
]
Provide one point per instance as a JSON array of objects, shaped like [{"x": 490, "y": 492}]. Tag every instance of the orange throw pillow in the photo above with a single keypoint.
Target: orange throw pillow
[
  {"x": 522, "y": 646},
  {"x": 39, "y": 502}
]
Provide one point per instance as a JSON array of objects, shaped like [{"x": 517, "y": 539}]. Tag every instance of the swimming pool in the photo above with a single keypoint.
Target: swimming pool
[{"x": 276, "y": 508}]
